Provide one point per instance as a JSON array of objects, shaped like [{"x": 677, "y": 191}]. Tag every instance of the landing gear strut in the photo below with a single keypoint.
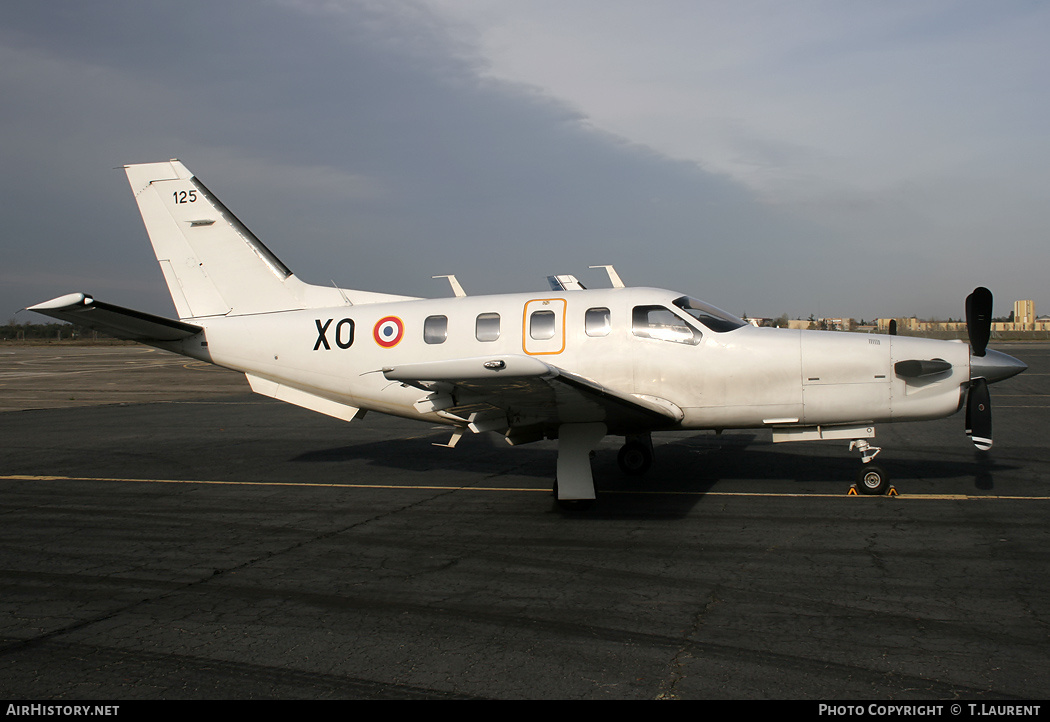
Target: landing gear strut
[{"x": 574, "y": 485}]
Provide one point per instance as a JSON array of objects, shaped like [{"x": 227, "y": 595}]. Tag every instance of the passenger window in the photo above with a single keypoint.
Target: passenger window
[
  {"x": 541, "y": 325},
  {"x": 487, "y": 327},
  {"x": 596, "y": 322},
  {"x": 660, "y": 323},
  {"x": 435, "y": 329}
]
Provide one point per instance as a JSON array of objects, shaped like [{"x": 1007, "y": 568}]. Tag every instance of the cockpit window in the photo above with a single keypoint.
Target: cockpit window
[
  {"x": 714, "y": 318},
  {"x": 661, "y": 323}
]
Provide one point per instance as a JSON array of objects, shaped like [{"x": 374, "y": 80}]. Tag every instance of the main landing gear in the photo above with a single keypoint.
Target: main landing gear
[
  {"x": 574, "y": 485},
  {"x": 636, "y": 455}
]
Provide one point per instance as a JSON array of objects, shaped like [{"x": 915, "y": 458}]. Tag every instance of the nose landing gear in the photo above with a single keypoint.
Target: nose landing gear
[{"x": 871, "y": 479}]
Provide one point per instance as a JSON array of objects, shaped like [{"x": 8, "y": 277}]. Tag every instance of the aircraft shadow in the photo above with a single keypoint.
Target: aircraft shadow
[{"x": 690, "y": 465}]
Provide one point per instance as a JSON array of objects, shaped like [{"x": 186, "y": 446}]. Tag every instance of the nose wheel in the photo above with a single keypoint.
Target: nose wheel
[{"x": 871, "y": 479}]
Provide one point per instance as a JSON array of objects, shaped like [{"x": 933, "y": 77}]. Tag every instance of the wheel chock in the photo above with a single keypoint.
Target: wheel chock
[{"x": 892, "y": 491}]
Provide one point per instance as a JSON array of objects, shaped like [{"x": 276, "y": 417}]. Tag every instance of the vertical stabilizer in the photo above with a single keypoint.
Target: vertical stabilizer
[{"x": 212, "y": 263}]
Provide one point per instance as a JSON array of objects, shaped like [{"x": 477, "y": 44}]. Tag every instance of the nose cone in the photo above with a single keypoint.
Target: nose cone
[{"x": 995, "y": 366}]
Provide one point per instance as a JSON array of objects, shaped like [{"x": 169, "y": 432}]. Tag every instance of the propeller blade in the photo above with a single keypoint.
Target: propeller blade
[
  {"x": 969, "y": 423},
  {"x": 979, "y": 319},
  {"x": 979, "y": 414}
]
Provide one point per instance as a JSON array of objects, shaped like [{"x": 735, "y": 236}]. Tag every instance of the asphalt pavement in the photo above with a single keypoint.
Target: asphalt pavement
[{"x": 164, "y": 534}]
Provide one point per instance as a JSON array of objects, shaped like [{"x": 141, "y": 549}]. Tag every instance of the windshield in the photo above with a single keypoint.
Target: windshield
[{"x": 714, "y": 318}]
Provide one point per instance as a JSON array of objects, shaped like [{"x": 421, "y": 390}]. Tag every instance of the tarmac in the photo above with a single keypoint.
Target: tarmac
[{"x": 165, "y": 534}]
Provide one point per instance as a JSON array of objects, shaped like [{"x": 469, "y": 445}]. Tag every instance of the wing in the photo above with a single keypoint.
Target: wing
[
  {"x": 83, "y": 310},
  {"x": 527, "y": 398}
]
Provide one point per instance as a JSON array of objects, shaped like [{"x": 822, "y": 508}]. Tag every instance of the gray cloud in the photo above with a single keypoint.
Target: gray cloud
[{"x": 362, "y": 142}]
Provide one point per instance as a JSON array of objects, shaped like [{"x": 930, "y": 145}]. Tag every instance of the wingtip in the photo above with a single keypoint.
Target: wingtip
[{"x": 66, "y": 301}]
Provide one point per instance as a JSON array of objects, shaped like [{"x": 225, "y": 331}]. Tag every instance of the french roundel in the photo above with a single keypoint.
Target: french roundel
[{"x": 388, "y": 331}]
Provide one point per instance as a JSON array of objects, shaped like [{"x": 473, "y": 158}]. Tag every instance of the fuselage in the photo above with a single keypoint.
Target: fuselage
[{"x": 646, "y": 342}]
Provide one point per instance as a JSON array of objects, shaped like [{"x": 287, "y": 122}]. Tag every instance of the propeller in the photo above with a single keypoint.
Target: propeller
[
  {"x": 978, "y": 400},
  {"x": 986, "y": 367}
]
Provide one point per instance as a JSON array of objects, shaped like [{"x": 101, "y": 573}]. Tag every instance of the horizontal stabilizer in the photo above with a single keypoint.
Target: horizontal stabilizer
[{"x": 83, "y": 310}]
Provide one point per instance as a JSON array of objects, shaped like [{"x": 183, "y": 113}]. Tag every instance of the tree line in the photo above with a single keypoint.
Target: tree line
[{"x": 12, "y": 331}]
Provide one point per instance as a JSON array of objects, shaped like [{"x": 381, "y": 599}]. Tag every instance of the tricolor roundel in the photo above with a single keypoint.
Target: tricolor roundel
[{"x": 388, "y": 331}]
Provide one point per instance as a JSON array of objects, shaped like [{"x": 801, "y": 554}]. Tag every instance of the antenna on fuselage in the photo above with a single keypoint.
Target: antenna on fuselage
[
  {"x": 456, "y": 288},
  {"x": 343, "y": 294},
  {"x": 614, "y": 277}
]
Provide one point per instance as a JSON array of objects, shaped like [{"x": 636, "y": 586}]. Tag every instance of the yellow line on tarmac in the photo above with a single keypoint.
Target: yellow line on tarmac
[
  {"x": 27, "y": 477},
  {"x": 935, "y": 497},
  {"x": 405, "y": 487}
]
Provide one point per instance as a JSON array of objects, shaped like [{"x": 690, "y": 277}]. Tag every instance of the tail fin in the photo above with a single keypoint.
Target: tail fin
[{"x": 212, "y": 263}]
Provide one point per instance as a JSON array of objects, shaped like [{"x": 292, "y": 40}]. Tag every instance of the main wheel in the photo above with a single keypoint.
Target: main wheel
[
  {"x": 872, "y": 480},
  {"x": 635, "y": 458}
]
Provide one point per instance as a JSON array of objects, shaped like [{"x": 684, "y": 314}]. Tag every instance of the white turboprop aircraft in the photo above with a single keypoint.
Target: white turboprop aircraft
[{"x": 572, "y": 364}]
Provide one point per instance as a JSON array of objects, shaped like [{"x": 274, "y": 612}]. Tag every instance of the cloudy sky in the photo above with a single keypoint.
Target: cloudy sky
[{"x": 813, "y": 157}]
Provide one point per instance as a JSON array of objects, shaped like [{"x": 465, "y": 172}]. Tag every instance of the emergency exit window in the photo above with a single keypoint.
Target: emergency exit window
[{"x": 542, "y": 325}]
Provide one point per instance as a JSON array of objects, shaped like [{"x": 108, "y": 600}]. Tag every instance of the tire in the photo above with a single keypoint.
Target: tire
[
  {"x": 872, "y": 480},
  {"x": 634, "y": 458}
]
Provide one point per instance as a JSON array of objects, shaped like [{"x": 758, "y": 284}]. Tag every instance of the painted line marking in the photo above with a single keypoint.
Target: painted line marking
[{"x": 935, "y": 497}]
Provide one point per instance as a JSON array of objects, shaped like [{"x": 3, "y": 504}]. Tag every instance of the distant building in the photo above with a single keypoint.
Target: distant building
[
  {"x": 822, "y": 324},
  {"x": 1024, "y": 319},
  {"x": 903, "y": 324},
  {"x": 1024, "y": 313}
]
